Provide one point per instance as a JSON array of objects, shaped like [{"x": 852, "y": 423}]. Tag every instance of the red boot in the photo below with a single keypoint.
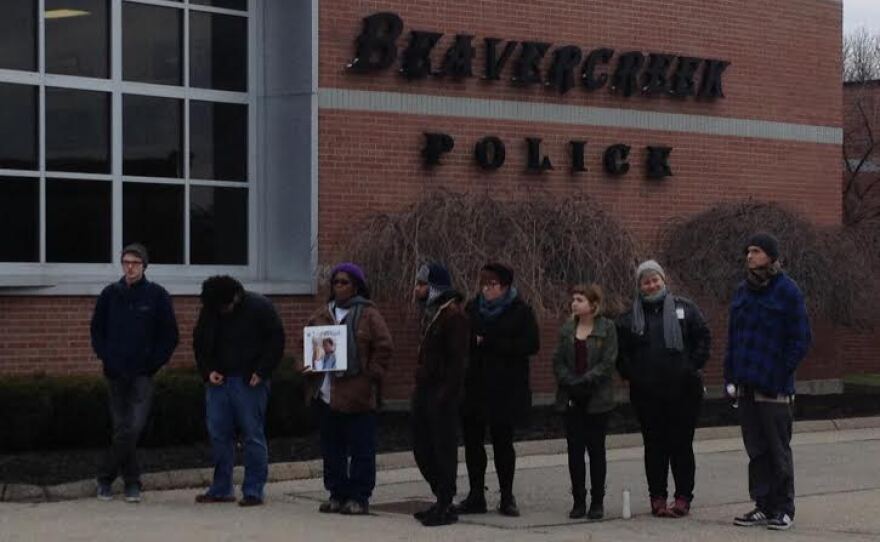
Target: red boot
[
  {"x": 680, "y": 508},
  {"x": 659, "y": 509}
]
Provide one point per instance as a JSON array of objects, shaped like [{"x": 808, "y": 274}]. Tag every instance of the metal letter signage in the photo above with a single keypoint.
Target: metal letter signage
[
  {"x": 630, "y": 73},
  {"x": 634, "y": 71}
]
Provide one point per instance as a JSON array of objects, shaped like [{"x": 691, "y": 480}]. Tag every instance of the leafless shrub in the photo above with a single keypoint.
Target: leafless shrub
[
  {"x": 551, "y": 243},
  {"x": 832, "y": 267}
]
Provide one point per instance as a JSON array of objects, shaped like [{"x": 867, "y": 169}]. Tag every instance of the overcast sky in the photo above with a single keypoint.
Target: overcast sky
[{"x": 861, "y": 13}]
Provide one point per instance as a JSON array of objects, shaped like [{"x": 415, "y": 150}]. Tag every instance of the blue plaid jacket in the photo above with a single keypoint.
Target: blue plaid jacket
[{"x": 768, "y": 336}]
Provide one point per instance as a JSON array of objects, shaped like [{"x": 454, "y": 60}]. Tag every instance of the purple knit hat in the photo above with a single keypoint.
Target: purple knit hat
[{"x": 353, "y": 271}]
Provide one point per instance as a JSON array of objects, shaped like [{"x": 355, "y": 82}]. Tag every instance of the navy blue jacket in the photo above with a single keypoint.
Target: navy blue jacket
[
  {"x": 134, "y": 331},
  {"x": 768, "y": 336}
]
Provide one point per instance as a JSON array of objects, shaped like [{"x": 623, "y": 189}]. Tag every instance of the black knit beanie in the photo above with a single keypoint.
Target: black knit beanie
[{"x": 767, "y": 243}]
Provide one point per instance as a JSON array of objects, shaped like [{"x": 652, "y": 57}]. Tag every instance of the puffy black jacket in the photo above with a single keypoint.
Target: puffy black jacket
[{"x": 652, "y": 368}]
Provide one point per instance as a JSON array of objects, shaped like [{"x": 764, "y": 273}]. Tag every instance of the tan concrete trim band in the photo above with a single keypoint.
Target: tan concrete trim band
[{"x": 478, "y": 108}]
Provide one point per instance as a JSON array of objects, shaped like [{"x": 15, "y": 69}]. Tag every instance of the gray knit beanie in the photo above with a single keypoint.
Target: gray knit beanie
[{"x": 649, "y": 266}]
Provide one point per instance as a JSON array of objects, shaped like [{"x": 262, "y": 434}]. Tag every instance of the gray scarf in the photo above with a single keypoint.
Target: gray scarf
[
  {"x": 355, "y": 306},
  {"x": 671, "y": 329}
]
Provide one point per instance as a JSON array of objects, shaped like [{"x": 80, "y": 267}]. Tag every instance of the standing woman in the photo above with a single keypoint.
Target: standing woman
[
  {"x": 583, "y": 365},
  {"x": 346, "y": 400},
  {"x": 664, "y": 344},
  {"x": 504, "y": 334}
]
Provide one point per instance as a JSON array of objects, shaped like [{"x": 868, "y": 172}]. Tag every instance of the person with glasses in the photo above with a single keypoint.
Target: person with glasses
[
  {"x": 134, "y": 332},
  {"x": 504, "y": 335},
  {"x": 584, "y": 364},
  {"x": 346, "y": 401}
]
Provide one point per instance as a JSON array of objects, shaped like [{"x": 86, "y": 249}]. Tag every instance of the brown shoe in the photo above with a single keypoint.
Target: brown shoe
[
  {"x": 249, "y": 500},
  {"x": 206, "y": 498},
  {"x": 355, "y": 508},
  {"x": 331, "y": 506}
]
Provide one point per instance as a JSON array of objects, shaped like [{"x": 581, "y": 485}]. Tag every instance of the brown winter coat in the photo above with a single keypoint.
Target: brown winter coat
[
  {"x": 357, "y": 393},
  {"x": 443, "y": 354}
]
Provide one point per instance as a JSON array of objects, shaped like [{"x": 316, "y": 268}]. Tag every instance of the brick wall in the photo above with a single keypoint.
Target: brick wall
[{"x": 785, "y": 59}]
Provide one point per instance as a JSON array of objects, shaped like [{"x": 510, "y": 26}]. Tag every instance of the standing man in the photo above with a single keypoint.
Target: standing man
[
  {"x": 769, "y": 335},
  {"x": 238, "y": 343},
  {"x": 443, "y": 354},
  {"x": 134, "y": 333}
]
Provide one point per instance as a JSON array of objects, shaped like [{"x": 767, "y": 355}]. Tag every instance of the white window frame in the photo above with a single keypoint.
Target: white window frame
[{"x": 78, "y": 279}]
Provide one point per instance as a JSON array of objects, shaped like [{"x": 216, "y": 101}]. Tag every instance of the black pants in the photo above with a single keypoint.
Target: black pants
[
  {"x": 435, "y": 445},
  {"x": 668, "y": 432},
  {"x": 586, "y": 431},
  {"x": 766, "y": 430},
  {"x": 475, "y": 454},
  {"x": 130, "y": 401}
]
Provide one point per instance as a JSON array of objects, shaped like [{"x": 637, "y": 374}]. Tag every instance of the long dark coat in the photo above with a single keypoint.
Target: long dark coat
[{"x": 497, "y": 377}]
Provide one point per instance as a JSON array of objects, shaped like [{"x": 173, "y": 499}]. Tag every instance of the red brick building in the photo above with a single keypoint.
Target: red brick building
[{"x": 328, "y": 144}]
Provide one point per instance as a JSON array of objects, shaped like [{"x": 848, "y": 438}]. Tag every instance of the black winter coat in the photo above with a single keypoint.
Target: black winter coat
[
  {"x": 248, "y": 340},
  {"x": 497, "y": 377},
  {"x": 653, "y": 369},
  {"x": 133, "y": 329}
]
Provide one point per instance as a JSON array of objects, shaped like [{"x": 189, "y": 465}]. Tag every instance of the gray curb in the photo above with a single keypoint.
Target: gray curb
[{"x": 302, "y": 470}]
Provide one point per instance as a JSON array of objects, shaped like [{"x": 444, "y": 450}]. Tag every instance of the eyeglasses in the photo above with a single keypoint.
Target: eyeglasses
[
  {"x": 490, "y": 284},
  {"x": 340, "y": 282},
  {"x": 132, "y": 263}
]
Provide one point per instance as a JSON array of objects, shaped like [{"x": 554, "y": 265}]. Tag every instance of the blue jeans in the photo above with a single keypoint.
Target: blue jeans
[
  {"x": 348, "y": 446},
  {"x": 235, "y": 405},
  {"x": 130, "y": 400}
]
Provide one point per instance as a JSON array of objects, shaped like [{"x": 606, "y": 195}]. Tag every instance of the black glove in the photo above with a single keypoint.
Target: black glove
[{"x": 579, "y": 393}]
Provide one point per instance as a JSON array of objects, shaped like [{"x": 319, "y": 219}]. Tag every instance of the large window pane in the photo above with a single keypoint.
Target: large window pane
[
  {"x": 152, "y": 136},
  {"x": 152, "y": 44},
  {"x": 77, "y": 130},
  {"x": 78, "y": 37},
  {"x": 218, "y": 141},
  {"x": 218, "y": 225},
  {"x": 18, "y": 35},
  {"x": 229, "y": 4},
  {"x": 152, "y": 214},
  {"x": 78, "y": 221},
  {"x": 18, "y": 126},
  {"x": 218, "y": 51},
  {"x": 19, "y": 220}
]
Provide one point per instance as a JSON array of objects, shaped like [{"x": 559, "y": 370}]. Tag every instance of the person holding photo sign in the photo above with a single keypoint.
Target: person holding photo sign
[{"x": 346, "y": 401}]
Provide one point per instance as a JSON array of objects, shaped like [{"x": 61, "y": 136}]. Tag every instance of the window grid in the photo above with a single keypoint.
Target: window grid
[{"x": 116, "y": 87}]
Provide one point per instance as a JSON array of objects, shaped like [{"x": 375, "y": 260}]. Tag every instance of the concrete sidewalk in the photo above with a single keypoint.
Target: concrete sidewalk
[
  {"x": 301, "y": 470},
  {"x": 837, "y": 475}
]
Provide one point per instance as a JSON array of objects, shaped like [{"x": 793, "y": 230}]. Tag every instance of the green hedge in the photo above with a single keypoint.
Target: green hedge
[{"x": 60, "y": 412}]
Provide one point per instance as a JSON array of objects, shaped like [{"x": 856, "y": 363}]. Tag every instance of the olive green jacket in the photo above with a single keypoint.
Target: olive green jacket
[{"x": 596, "y": 383}]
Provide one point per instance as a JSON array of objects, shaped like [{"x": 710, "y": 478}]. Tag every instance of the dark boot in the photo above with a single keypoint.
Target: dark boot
[
  {"x": 440, "y": 515},
  {"x": 475, "y": 503},
  {"x": 422, "y": 514},
  {"x": 597, "y": 510},
  {"x": 508, "y": 506},
  {"x": 579, "y": 509}
]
